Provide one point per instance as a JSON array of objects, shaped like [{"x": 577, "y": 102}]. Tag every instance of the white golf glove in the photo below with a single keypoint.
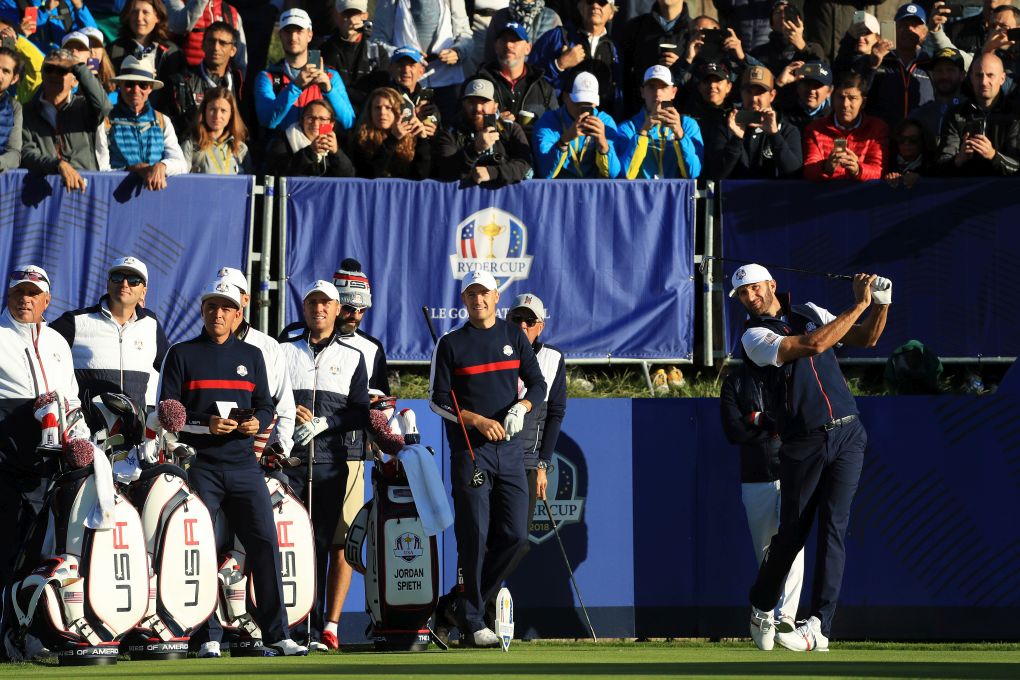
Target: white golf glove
[
  {"x": 305, "y": 432},
  {"x": 881, "y": 291},
  {"x": 514, "y": 421}
]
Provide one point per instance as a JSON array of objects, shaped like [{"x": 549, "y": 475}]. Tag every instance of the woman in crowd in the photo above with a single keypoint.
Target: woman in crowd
[
  {"x": 309, "y": 147},
  {"x": 144, "y": 29},
  {"x": 217, "y": 146},
  {"x": 388, "y": 143},
  {"x": 910, "y": 163}
]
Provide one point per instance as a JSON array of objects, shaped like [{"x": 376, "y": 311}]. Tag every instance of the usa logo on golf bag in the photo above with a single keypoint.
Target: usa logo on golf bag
[
  {"x": 567, "y": 507},
  {"x": 408, "y": 547},
  {"x": 494, "y": 241}
]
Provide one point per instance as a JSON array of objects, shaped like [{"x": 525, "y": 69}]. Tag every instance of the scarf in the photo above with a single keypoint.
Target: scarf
[
  {"x": 6, "y": 118},
  {"x": 212, "y": 81},
  {"x": 134, "y": 139},
  {"x": 525, "y": 12}
]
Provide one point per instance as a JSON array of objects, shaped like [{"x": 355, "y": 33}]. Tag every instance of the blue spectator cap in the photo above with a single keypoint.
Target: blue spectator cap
[
  {"x": 408, "y": 52},
  {"x": 911, "y": 11},
  {"x": 818, "y": 71},
  {"x": 517, "y": 29}
]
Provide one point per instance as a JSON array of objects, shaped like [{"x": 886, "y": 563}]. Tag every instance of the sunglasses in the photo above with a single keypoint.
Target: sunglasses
[
  {"x": 518, "y": 319},
  {"x": 133, "y": 279},
  {"x": 347, "y": 309},
  {"x": 131, "y": 84},
  {"x": 52, "y": 68},
  {"x": 28, "y": 276}
]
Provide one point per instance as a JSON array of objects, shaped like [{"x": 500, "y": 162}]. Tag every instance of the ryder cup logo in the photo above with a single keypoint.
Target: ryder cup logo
[
  {"x": 494, "y": 241},
  {"x": 567, "y": 507},
  {"x": 408, "y": 546}
]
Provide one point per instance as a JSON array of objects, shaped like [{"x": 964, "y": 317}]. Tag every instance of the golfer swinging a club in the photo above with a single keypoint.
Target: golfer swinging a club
[
  {"x": 823, "y": 440},
  {"x": 473, "y": 386}
]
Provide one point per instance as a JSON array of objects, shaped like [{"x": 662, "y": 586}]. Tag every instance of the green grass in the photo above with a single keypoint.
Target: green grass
[{"x": 546, "y": 661}]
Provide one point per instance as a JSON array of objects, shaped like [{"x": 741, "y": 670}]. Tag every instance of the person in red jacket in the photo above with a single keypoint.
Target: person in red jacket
[{"x": 847, "y": 144}]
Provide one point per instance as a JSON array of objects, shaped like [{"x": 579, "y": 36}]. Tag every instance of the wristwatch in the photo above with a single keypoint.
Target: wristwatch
[{"x": 544, "y": 465}]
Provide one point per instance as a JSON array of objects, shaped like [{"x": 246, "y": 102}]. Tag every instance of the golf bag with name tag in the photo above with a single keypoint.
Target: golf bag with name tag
[
  {"x": 401, "y": 563},
  {"x": 297, "y": 561}
]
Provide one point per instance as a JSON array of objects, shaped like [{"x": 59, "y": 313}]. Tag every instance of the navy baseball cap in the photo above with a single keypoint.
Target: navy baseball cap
[
  {"x": 818, "y": 71},
  {"x": 912, "y": 11},
  {"x": 951, "y": 55},
  {"x": 518, "y": 30},
  {"x": 714, "y": 69},
  {"x": 408, "y": 52}
]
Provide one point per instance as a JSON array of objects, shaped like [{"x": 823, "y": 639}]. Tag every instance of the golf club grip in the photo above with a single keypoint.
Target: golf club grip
[
  {"x": 456, "y": 406},
  {"x": 428, "y": 320}
]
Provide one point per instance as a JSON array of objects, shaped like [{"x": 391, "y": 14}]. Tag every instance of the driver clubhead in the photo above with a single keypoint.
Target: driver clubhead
[{"x": 477, "y": 478}]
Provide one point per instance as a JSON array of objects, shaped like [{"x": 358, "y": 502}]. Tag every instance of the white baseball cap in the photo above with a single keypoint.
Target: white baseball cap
[
  {"x": 324, "y": 287},
  {"x": 868, "y": 25},
  {"x": 585, "y": 89},
  {"x": 29, "y": 273},
  {"x": 658, "y": 72},
  {"x": 94, "y": 35},
  {"x": 482, "y": 278},
  {"x": 130, "y": 264},
  {"x": 749, "y": 273},
  {"x": 342, "y": 6},
  {"x": 220, "y": 288},
  {"x": 295, "y": 17},
  {"x": 234, "y": 277},
  {"x": 529, "y": 302},
  {"x": 76, "y": 36}
]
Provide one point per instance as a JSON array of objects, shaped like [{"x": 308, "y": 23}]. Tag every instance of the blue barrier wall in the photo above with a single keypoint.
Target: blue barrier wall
[
  {"x": 596, "y": 252},
  {"x": 949, "y": 246},
  {"x": 183, "y": 234},
  {"x": 648, "y": 496}
]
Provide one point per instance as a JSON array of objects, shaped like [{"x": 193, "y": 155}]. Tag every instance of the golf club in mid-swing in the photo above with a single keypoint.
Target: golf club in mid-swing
[
  {"x": 880, "y": 283},
  {"x": 477, "y": 477},
  {"x": 573, "y": 581}
]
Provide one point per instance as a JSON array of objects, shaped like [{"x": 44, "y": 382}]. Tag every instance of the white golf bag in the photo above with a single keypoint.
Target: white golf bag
[
  {"x": 401, "y": 563},
  {"x": 179, "y": 537},
  {"x": 82, "y": 579},
  {"x": 297, "y": 573}
]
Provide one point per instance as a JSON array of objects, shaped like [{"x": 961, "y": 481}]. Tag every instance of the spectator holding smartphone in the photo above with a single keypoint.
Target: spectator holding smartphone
[
  {"x": 350, "y": 50},
  {"x": 57, "y": 18},
  {"x": 981, "y": 137},
  {"x": 659, "y": 142},
  {"x": 31, "y": 58},
  {"x": 786, "y": 42},
  {"x": 309, "y": 146},
  {"x": 217, "y": 143},
  {"x": 483, "y": 149},
  {"x": 406, "y": 70},
  {"x": 910, "y": 161},
  {"x": 389, "y": 141},
  {"x": 858, "y": 41},
  {"x": 577, "y": 140},
  {"x": 803, "y": 92},
  {"x": 659, "y": 37},
  {"x": 848, "y": 144}
]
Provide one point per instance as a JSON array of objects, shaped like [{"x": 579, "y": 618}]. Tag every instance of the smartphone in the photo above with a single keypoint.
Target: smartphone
[
  {"x": 1013, "y": 34},
  {"x": 489, "y": 120},
  {"x": 887, "y": 31},
  {"x": 93, "y": 64},
  {"x": 32, "y": 13},
  {"x": 666, "y": 105},
  {"x": 955, "y": 10},
  {"x": 748, "y": 117},
  {"x": 586, "y": 108},
  {"x": 426, "y": 93},
  {"x": 325, "y": 128},
  {"x": 315, "y": 58},
  {"x": 858, "y": 17},
  {"x": 406, "y": 109},
  {"x": 239, "y": 415},
  {"x": 366, "y": 28},
  {"x": 839, "y": 144},
  {"x": 975, "y": 126},
  {"x": 792, "y": 14}
]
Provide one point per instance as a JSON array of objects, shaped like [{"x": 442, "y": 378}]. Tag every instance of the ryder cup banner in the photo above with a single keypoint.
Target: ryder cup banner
[
  {"x": 183, "y": 234},
  {"x": 611, "y": 260}
]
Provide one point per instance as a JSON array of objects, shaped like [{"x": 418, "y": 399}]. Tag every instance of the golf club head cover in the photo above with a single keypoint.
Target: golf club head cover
[
  {"x": 384, "y": 437},
  {"x": 46, "y": 413},
  {"x": 172, "y": 415},
  {"x": 79, "y": 453}
]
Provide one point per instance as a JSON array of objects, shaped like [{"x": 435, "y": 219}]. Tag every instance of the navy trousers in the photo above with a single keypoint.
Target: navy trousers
[
  {"x": 490, "y": 522},
  {"x": 329, "y": 482},
  {"x": 242, "y": 496},
  {"x": 21, "y": 501},
  {"x": 818, "y": 474}
]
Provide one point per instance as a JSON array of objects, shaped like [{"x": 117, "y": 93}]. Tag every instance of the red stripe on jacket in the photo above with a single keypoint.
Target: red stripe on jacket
[
  {"x": 488, "y": 368},
  {"x": 220, "y": 385}
]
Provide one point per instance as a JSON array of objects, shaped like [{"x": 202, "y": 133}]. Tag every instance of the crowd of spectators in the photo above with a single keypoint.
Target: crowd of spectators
[{"x": 499, "y": 91}]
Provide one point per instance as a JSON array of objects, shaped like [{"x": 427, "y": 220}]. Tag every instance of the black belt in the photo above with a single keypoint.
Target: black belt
[{"x": 838, "y": 422}]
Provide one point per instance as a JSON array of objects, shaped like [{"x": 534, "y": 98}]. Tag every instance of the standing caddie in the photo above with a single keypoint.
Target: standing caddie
[{"x": 474, "y": 379}]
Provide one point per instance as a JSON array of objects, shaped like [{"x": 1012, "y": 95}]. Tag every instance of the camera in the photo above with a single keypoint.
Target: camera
[{"x": 366, "y": 28}]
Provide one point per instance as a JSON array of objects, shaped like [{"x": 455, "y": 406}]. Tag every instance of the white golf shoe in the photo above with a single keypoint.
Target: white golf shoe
[
  {"x": 316, "y": 646},
  {"x": 785, "y": 624},
  {"x": 481, "y": 638},
  {"x": 762, "y": 631},
  {"x": 285, "y": 648},
  {"x": 209, "y": 650},
  {"x": 806, "y": 638}
]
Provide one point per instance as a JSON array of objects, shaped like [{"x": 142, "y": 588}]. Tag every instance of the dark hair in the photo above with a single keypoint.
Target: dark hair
[
  {"x": 19, "y": 64},
  {"x": 222, "y": 27},
  {"x": 902, "y": 126},
  {"x": 322, "y": 102},
  {"x": 160, "y": 34},
  {"x": 850, "y": 80}
]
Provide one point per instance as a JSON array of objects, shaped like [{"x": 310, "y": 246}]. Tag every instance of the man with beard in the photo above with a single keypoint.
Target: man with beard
[
  {"x": 520, "y": 87},
  {"x": 899, "y": 79},
  {"x": 947, "y": 77}
]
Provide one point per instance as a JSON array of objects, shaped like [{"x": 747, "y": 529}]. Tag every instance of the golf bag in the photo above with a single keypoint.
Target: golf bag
[
  {"x": 179, "y": 537},
  {"x": 297, "y": 561},
  {"x": 82, "y": 578},
  {"x": 401, "y": 566}
]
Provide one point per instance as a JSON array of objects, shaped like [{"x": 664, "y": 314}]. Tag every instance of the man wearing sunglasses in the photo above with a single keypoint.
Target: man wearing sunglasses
[
  {"x": 34, "y": 360},
  {"x": 60, "y": 123},
  {"x": 117, "y": 345},
  {"x": 137, "y": 137}
]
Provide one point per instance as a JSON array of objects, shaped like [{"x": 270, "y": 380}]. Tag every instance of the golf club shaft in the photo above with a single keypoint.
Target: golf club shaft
[
  {"x": 811, "y": 272},
  {"x": 573, "y": 581},
  {"x": 453, "y": 395}
]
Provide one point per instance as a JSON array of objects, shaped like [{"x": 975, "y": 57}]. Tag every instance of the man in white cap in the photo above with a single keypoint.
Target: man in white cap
[
  {"x": 352, "y": 53},
  {"x": 473, "y": 385},
  {"x": 34, "y": 360},
  {"x": 279, "y": 380},
  {"x": 330, "y": 383},
  {"x": 823, "y": 440},
  {"x": 76, "y": 114},
  {"x": 659, "y": 142},
  {"x": 577, "y": 140},
  {"x": 117, "y": 345},
  {"x": 212, "y": 375},
  {"x": 136, "y": 136},
  {"x": 482, "y": 149},
  {"x": 284, "y": 88}
]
